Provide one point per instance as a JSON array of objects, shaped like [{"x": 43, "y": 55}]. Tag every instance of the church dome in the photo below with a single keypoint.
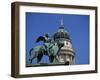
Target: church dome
[{"x": 61, "y": 34}]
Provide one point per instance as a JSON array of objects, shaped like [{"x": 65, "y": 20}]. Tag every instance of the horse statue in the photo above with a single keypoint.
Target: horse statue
[
  {"x": 36, "y": 52},
  {"x": 49, "y": 48}
]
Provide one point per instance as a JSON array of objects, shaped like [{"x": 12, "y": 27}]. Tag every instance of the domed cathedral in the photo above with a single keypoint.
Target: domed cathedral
[{"x": 66, "y": 54}]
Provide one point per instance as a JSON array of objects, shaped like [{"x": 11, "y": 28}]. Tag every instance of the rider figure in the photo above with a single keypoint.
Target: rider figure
[{"x": 47, "y": 43}]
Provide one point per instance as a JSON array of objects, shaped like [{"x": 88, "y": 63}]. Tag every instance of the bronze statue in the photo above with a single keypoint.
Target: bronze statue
[{"x": 49, "y": 48}]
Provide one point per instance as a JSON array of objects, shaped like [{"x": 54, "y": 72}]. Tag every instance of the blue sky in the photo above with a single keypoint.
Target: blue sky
[{"x": 76, "y": 25}]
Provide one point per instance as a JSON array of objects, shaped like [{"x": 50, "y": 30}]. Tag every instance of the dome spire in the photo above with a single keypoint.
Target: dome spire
[{"x": 61, "y": 24}]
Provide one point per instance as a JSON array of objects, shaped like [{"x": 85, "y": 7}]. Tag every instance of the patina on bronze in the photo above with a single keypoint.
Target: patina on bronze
[{"x": 49, "y": 48}]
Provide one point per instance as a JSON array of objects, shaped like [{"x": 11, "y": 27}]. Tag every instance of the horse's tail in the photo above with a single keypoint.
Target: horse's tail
[{"x": 30, "y": 51}]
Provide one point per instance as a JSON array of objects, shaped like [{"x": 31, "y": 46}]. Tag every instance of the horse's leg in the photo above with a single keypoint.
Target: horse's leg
[
  {"x": 39, "y": 57},
  {"x": 30, "y": 61},
  {"x": 51, "y": 59},
  {"x": 32, "y": 56},
  {"x": 56, "y": 58}
]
